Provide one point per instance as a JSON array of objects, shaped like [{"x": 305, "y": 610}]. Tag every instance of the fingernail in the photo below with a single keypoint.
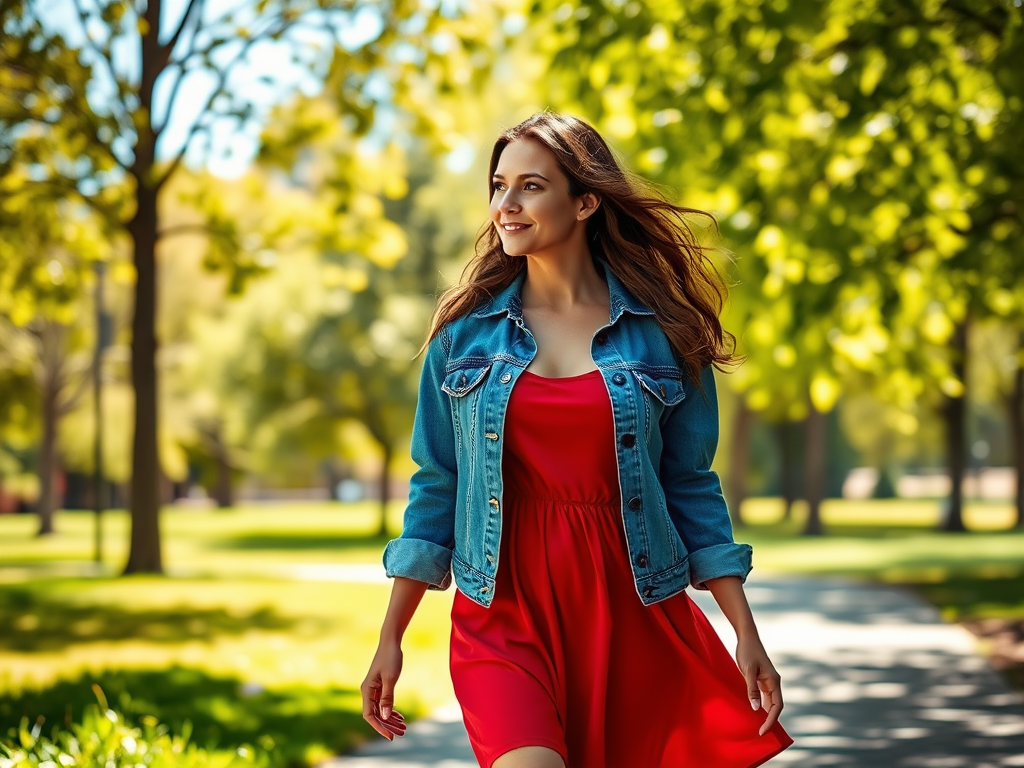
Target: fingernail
[
  {"x": 385, "y": 713},
  {"x": 755, "y": 704}
]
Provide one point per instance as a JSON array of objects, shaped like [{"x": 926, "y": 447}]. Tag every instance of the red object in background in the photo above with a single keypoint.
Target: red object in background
[
  {"x": 567, "y": 656},
  {"x": 8, "y": 501}
]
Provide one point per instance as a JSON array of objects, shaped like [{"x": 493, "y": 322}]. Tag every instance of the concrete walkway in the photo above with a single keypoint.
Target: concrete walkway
[{"x": 872, "y": 678}]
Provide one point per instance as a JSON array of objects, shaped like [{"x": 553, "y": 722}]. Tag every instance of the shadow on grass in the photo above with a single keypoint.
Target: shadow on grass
[
  {"x": 282, "y": 540},
  {"x": 968, "y": 595},
  {"x": 296, "y": 726},
  {"x": 31, "y": 621}
]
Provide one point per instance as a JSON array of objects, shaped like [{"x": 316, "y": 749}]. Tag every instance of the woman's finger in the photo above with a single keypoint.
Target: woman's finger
[
  {"x": 395, "y": 727},
  {"x": 371, "y": 712},
  {"x": 773, "y": 715},
  {"x": 772, "y": 689}
]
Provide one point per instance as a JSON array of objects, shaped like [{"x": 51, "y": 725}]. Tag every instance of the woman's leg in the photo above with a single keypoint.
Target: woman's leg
[{"x": 529, "y": 757}]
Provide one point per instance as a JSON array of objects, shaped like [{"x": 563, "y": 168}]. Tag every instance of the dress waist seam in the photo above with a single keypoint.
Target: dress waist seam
[{"x": 520, "y": 497}]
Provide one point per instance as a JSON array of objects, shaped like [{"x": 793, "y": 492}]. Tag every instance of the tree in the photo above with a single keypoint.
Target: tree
[
  {"x": 113, "y": 114},
  {"x": 844, "y": 146},
  {"x": 47, "y": 253}
]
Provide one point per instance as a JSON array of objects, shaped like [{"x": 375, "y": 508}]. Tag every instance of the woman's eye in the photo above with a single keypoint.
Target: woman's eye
[
  {"x": 531, "y": 185},
  {"x": 498, "y": 186}
]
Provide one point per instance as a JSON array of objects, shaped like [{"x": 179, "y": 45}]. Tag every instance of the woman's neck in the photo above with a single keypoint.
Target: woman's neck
[{"x": 562, "y": 283}]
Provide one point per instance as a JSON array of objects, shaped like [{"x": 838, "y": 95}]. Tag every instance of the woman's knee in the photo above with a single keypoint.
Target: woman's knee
[{"x": 529, "y": 757}]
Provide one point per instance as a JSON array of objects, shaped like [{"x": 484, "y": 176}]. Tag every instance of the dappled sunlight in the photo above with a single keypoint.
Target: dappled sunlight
[{"x": 872, "y": 676}]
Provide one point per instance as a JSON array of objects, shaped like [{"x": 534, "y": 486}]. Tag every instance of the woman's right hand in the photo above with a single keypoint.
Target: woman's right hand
[{"x": 378, "y": 691}]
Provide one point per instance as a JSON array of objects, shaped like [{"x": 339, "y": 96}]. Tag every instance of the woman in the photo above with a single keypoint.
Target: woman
[{"x": 565, "y": 430}]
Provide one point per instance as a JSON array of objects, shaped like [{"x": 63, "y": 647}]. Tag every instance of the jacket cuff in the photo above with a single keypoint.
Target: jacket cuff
[
  {"x": 719, "y": 560},
  {"x": 420, "y": 560}
]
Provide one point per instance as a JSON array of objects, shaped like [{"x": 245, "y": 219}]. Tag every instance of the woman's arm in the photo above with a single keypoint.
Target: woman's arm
[
  {"x": 764, "y": 686},
  {"x": 378, "y": 688},
  {"x": 421, "y": 557},
  {"x": 693, "y": 491}
]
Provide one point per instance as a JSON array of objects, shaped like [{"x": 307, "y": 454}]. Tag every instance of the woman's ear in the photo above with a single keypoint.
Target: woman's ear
[{"x": 589, "y": 202}]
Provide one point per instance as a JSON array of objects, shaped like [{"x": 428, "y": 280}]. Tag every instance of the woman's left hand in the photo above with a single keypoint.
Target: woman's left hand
[{"x": 764, "y": 686}]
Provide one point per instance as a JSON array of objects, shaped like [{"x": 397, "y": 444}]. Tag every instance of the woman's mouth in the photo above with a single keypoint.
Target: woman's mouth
[{"x": 514, "y": 227}]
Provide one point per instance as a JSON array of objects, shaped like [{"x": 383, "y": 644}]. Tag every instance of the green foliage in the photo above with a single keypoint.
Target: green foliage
[
  {"x": 104, "y": 738},
  {"x": 863, "y": 158}
]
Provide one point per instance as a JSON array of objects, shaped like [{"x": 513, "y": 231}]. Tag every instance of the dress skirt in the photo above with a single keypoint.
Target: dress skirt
[{"x": 567, "y": 656}]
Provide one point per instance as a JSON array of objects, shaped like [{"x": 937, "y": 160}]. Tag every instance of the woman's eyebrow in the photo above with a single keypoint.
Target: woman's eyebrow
[{"x": 522, "y": 176}]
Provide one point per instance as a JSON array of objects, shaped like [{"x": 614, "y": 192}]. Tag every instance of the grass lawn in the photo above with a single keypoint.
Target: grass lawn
[{"x": 235, "y": 642}]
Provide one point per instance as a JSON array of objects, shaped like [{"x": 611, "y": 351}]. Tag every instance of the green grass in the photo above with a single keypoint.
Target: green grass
[
  {"x": 247, "y": 540},
  {"x": 234, "y": 642}
]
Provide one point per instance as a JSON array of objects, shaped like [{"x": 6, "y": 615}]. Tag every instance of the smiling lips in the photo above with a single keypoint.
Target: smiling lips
[{"x": 513, "y": 226}]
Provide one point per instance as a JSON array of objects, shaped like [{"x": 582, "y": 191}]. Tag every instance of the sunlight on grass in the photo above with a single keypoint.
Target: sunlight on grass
[
  {"x": 913, "y": 513},
  {"x": 322, "y": 634},
  {"x": 248, "y": 539}
]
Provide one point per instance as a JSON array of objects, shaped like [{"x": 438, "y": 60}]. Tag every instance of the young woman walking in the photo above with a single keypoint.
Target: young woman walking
[{"x": 566, "y": 425}]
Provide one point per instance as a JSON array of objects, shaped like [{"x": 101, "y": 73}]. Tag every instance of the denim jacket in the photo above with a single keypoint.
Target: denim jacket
[{"x": 676, "y": 521}]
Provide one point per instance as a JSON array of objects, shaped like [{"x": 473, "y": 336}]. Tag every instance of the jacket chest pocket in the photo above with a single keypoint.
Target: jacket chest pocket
[
  {"x": 464, "y": 387},
  {"x": 661, "y": 391}
]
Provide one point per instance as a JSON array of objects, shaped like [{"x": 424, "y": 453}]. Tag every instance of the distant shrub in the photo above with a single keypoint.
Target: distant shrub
[{"x": 104, "y": 740}]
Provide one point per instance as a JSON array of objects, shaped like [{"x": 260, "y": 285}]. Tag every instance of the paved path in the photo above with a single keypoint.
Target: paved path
[{"x": 872, "y": 677}]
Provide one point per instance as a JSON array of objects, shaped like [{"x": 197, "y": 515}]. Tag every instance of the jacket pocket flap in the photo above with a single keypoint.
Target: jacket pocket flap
[
  {"x": 461, "y": 382},
  {"x": 667, "y": 389}
]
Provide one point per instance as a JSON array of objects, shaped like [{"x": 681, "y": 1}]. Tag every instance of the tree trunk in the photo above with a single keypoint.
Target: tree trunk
[
  {"x": 48, "y": 456},
  {"x": 739, "y": 461},
  {"x": 787, "y": 466},
  {"x": 385, "y": 488},
  {"x": 144, "y": 555},
  {"x": 955, "y": 414},
  {"x": 815, "y": 481},
  {"x": 223, "y": 491},
  {"x": 1017, "y": 432}
]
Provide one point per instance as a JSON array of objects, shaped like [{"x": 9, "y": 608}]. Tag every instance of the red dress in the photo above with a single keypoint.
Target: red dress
[{"x": 567, "y": 657}]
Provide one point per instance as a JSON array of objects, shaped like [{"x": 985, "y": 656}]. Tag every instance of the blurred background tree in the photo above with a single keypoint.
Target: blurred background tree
[
  {"x": 101, "y": 93},
  {"x": 861, "y": 160}
]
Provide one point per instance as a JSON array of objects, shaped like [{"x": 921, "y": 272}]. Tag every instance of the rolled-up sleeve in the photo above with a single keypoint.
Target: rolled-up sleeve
[
  {"x": 693, "y": 492},
  {"x": 424, "y": 550}
]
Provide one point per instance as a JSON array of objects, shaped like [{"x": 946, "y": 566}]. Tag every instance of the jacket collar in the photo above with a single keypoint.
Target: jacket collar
[{"x": 509, "y": 300}]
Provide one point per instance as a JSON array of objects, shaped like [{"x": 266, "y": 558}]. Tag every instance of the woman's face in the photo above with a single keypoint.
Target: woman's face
[{"x": 531, "y": 207}]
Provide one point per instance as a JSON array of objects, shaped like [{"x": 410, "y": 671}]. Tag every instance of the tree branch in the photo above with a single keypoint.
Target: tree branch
[
  {"x": 168, "y": 48},
  {"x": 107, "y": 61},
  {"x": 224, "y": 73}
]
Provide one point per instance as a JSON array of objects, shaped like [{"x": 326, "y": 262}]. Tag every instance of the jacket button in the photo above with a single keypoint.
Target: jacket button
[
  {"x": 648, "y": 591},
  {"x": 619, "y": 378},
  {"x": 506, "y": 377},
  {"x": 642, "y": 561},
  {"x": 662, "y": 390},
  {"x": 628, "y": 440},
  {"x": 494, "y": 503},
  {"x": 462, "y": 380},
  {"x": 634, "y": 503},
  {"x": 601, "y": 338},
  {"x": 491, "y": 435}
]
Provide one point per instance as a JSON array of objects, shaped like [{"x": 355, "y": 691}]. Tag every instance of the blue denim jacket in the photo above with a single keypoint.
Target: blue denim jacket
[{"x": 677, "y": 525}]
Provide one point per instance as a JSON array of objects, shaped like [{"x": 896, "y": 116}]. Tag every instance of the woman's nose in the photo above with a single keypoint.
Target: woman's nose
[{"x": 508, "y": 203}]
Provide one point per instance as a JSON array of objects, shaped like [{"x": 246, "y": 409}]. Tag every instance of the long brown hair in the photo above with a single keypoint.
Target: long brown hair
[{"x": 642, "y": 237}]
